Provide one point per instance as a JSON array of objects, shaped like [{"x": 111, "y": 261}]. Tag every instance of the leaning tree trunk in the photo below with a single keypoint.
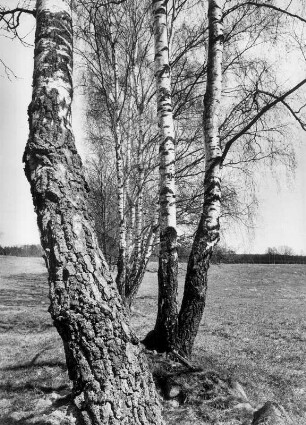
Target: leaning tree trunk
[
  {"x": 111, "y": 380},
  {"x": 207, "y": 234},
  {"x": 162, "y": 338}
]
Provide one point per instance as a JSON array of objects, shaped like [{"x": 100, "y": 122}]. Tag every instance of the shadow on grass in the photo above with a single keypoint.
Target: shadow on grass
[
  {"x": 40, "y": 404},
  {"x": 47, "y": 389},
  {"x": 55, "y": 363},
  {"x": 10, "y": 418},
  {"x": 34, "y": 364}
]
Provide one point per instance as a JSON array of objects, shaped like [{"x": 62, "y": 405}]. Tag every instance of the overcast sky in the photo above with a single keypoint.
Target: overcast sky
[{"x": 281, "y": 218}]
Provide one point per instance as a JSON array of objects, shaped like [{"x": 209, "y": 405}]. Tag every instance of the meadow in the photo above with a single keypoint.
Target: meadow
[{"x": 253, "y": 332}]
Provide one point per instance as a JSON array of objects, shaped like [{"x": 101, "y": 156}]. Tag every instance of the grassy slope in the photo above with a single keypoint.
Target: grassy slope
[{"x": 254, "y": 330}]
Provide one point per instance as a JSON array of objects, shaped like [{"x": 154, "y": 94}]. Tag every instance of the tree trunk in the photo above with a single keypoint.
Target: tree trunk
[
  {"x": 129, "y": 189},
  {"x": 207, "y": 234},
  {"x": 162, "y": 338},
  {"x": 140, "y": 257},
  {"x": 121, "y": 262},
  {"x": 140, "y": 162},
  {"x": 111, "y": 380},
  {"x": 136, "y": 275}
]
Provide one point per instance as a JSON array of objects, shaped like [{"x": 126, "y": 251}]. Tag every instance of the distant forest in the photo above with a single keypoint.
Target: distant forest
[
  {"x": 22, "y": 250},
  {"x": 259, "y": 259},
  {"x": 228, "y": 256},
  {"x": 221, "y": 255}
]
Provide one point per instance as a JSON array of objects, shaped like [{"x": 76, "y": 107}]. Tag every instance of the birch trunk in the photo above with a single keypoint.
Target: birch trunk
[
  {"x": 164, "y": 334},
  {"x": 138, "y": 263},
  {"x": 129, "y": 189},
  {"x": 111, "y": 380},
  {"x": 121, "y": 263},
  {"x": 207, "y": 234},
  {"x": 143, "y": 246},
  {"x": 137, "y": 273},
  {"x": 140, "y": 164},
  {"x": 139, "y": 202}
]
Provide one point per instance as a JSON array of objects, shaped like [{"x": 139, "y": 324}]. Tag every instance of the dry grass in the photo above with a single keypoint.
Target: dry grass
[{"x": 254, "y": 331}]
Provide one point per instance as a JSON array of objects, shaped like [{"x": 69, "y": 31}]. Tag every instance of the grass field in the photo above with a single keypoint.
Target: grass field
[{"x": 254, "y": 330}]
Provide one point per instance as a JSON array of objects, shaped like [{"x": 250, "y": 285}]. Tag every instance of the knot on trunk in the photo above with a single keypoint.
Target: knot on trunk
[{"x": 169, "y": 238}]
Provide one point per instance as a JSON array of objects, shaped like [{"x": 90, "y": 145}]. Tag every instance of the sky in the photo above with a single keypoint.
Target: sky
[
  {"x": 17, "y": 218},
  {"x": 280, "y": 219}
]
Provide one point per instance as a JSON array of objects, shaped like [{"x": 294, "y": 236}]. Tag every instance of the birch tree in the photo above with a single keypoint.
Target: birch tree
[
  {"x": 217, "y": 151},
  {"x": 111, "y": 380},
  {"x": 252, "y": 113},
  {"x": 248, "y": 109},
  {"x": 127, "y": 24},
  {"x": 166, "y": 322},
  {"x": 121, "y": 263},
  {"x": 207, "y": 234}
]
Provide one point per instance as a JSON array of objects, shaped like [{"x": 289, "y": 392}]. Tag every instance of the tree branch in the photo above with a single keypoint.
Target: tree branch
[
  {"x": 293, "y": 113},
  {"x": 9, "y": 72},
  {"x": 16, "y": 10},
  {"x": 269, "y": 6},
  {"x": 265, "y": 109}
]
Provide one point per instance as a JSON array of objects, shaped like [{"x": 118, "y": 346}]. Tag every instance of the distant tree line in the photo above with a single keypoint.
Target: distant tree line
[
  {"x": 221, "y": 255},
  {"x": 22, "y": 251},
  {"x": 259, "y": 259},
  {"x": 280, "y": 255}
]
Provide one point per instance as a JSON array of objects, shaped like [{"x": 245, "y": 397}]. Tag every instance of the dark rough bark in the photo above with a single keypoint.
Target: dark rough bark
[
  {"x": 111, "y": 380},
  {"x": 121, "y": 273},
  {"x": 166, "y": 321},
  {"x": 163, "y": 337},
  {"x": 194, "y": 298}
]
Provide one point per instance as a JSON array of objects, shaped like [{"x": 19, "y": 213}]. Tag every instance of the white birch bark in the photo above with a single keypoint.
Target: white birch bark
[
  {"x": 165, "y": 117},
  {"x": 207, "y": 234},
  {"x": 213, "y": 151},
  {"x": 129, "y": 189},
  {"x": 121, "y": 264},
  {"x": 164, "y": 334},
  {"x": 140, "y": 164}
]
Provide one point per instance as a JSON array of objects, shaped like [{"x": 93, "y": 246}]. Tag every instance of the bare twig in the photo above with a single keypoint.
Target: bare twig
[
  {"x": 184, "y": 361},
  {"x": 266, "y": 108},
  {"x": 292, "y": 112},
  {"x": 267, "y": 5}
]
